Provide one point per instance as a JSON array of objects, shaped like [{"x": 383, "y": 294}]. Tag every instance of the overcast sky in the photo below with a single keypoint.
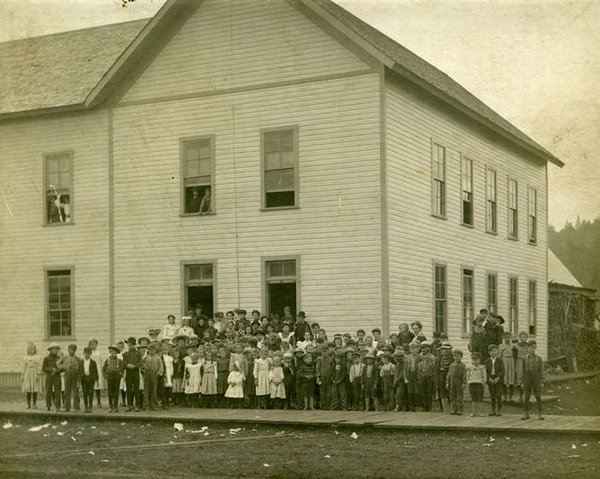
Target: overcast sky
[{"x": 536, "y": 62}]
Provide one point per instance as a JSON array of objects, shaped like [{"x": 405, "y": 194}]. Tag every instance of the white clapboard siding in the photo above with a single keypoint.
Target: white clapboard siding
[
  {"x": 27, "y": 246},
  {"x": 227, "y": 44},
  {"x": 417, "y": 239},
  {"x": 335, "y": 232}
]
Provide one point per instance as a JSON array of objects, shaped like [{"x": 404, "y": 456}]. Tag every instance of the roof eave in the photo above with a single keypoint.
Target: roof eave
[
  {"x": 42, "y": 111},
  {"x": 411, "y": 77}
]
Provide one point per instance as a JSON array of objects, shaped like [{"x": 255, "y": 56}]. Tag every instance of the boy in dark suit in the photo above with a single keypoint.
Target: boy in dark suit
[
  {"x": 494, "y": 367},
  {"x": 88, "y": 373},
  {"x": 533, "y": 376}
]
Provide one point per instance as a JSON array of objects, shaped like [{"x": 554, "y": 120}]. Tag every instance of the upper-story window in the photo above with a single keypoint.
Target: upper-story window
[
  {"x": 438, "y": 174},
  {"x": 532, "y": 215},
  {"x": 467, "y": 190},
  {"x": 513, "y": 209},
  {"x": 198, "y": 160},
  {"x": 58, "y": 177},
  {"x": 491, "y": 202},
  {"x": 280, "y": 168}
]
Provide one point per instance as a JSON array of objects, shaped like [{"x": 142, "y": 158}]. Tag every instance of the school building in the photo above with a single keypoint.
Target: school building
[{"x": 257, "y": 154}]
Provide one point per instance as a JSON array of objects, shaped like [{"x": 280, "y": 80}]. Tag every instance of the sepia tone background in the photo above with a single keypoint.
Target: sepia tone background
[{"x": 534, "y": 61}]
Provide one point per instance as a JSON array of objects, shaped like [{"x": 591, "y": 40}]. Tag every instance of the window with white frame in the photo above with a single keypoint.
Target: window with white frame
[
  {"x": 58, "y": 171},
  {"x": 282, "y": 279},
  {"x": 58, "y": 303},
  {"x": 438, "y": 172},
  {"x": 197, "y": 175},
  {"x": 440, "y": 298},
  {"x": 532, "y": 307},
  {"x": 492, "y": 293},
  {"x": 532, "y": 214},
  {"x": 199, "y": 285},
  {"x": 513, "y": 305},
  {"x": 513, "y": 209},
  {"x": 280, "y": 164},
  {"x": 491, "y": 202},
  {"x": 468, "y": 308},
  {"x": 467, "y": 190}
]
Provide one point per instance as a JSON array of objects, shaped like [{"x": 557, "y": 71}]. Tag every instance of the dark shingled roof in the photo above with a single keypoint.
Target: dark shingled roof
[{"x": 60, "y": 70}]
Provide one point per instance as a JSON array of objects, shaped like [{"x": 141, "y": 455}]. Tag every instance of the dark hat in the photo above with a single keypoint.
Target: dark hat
[
  {"x": 446, "y": 345},
  {"x": 475, "y": 355},
  {"x": 532, "y": 342},
  {"x": 302, "y": 314},
  {"x": 500, "y": 319},
  {"x": 492, "y": 346},
  {"x": 457, "y": 352},
  {"x": 144, "y": 339},
  {"x": 115, "y": 348},
  {"x": 131, "y": 340}
]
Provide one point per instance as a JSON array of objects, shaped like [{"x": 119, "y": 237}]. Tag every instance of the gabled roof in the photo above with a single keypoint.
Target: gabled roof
[
  {"x": 80, "y": 69},
  {"x": 559, "y": 273},
  {"x": 59, "y": 70}
]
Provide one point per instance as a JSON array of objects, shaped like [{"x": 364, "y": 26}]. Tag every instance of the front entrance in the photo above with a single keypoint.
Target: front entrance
[
  {"x": 202, "y": 295},
  {"x": 199, "y": 288},
  {"x": 281, "y": 286}
]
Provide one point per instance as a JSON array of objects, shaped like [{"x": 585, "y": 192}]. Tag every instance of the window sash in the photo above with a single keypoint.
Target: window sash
[
  {"x": 513, "y": 309},
  {"x": 199, "y": 274},
  {"x": 492, "y": 293},
  {"x": 491, "y": 200},
  {"x": 440, "y": 298},
  {"x": 281, "y": 270},
  {"x": 532, "y": 226},
  {"x": 532, "y": 306},
  {"x": 58, "y": 180},
  {"x": 59, "y": 303},
  {"x": 438, "y": 173},
  {"x": 280, "y": 162},
  {"x": 468, "y": 308}
]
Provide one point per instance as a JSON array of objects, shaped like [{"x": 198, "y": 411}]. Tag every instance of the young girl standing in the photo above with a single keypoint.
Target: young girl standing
[
  {"x": 276, "y": 386},
  {"x": 261, "y": 376},
  {"x": 30, "y": 380},
  {"x": 178, "y": 372},
  {"x": 235, "y": 390},
  {"x": 222, "y": 373},
  {"x": 506, "y": 352},
  {"x": 521, "y": 349},
  {"x": 192, "y": 380},
  {"x": 209, "y": 379}
]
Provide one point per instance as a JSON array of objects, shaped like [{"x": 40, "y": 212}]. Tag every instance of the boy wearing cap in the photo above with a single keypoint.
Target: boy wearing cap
[
  {"x": 370, "y": 381},
  {"x": 533, "y": 376},
  {"x": 50, "y": 368},
  {"x": 355, "y": 377},
  {"x": 425, "y": 375},
  {"x": 476, "y": 378},
  {"x": 494, "y": 368},
  {"x": 325, "y": 366},
  {"x": 455, "y": 382},
  {"x": 132, "y": 362},
  {"x": 113, "y": 370},
  {"x": 71, "y": 364},
  {"x": 89, "y": 377},
  {"x": 411, "y": 363},
  {"x": 443, "y": 361},
  {"x": 338, "y": 382}
]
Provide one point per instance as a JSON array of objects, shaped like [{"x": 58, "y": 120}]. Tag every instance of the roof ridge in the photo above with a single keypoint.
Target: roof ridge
[{"x": 77, "y": 30}]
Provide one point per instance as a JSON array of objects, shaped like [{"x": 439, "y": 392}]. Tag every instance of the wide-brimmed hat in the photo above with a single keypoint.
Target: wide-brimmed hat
[
  {"x": 131, "y": 340},
  {"x": 112, "y": 346},
  {"x": 144, "y": 339},
  {"x": 446, "y": 345},
  {"x": 53, "y": 346}
]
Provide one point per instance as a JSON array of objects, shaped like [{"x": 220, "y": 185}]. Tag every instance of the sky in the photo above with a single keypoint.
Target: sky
[{"x": 536, "y": 62}]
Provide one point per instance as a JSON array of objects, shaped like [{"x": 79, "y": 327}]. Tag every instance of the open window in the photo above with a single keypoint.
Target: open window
[
  {"x": 198, "y": 158},
  {"x": 200, "y": 287},
  {"x": 58, "y": 176},
  {"x": 280, "y": 165},
  {"x": 281, "y": 285}
]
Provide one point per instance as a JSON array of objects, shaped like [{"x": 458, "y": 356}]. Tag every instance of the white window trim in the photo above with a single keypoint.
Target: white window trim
[
  {"x": 71, "y": 154},
  {"x": 444, "y": 213},
  {"x": 182, "y": 141},
  {"x": 263, "y": 276},
  {"x": 445, "y": 266},
  {"x": 50, "y": 269},
  {"x": 197, "y": 262}
]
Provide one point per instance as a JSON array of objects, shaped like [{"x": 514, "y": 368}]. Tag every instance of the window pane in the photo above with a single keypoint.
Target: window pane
[
  {"x": 280, "y": 198},
  {"x": 271, "y": 140},
  {"x": 273, "y": 161},
  {"x": 275, "y": 269},
  {"x": 205, "y": 167},
  {"x": 55, "y": 328},
  {"x": 286, "y": 140},
  {"x": 289, "y": 268},
  {"x": 65, "y": 283},
  {"x": 287, "y": 159},
  {"x": 194, "y": 272},
  {"x": 53, "y": 301},
  {"x": 281, "y": 180},
  {"x": 53, "y": 285},
  {"x": 65, "y": 300},
  {"x": 192, "y": 168},
  {"x": 53, "y": 181},
  {"x": 204, "y": 151},
  {"x": 207, "y": 271}
]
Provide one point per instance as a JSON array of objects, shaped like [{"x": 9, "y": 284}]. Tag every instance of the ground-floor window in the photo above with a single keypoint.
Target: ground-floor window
[
  {"x": 281, "y": 278},
  {"x": 467, "y": 300},
  {"x": 440, "y": 299},
  {"x": 58, "y": 303},
  {"x": 513, "y": 305},
  {"x": 532, "y": 306},
  {"x": 199, "y": 287}
]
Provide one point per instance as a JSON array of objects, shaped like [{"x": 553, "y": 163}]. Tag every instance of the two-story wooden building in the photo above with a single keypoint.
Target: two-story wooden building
[{"x": 347, "y": 177}]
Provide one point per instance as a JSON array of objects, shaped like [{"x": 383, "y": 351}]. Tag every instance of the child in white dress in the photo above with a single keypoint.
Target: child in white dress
[
  {"x": 192, "y": 380},
  {"x": 32, "y": 369},
  {"x": 235, "y": 391},
  {"x": 276, "y": 383},
  {"x": 261, "y": 377}
]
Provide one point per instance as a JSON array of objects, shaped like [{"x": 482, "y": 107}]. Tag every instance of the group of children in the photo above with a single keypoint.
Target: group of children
[{"x": 270, "y": 369}]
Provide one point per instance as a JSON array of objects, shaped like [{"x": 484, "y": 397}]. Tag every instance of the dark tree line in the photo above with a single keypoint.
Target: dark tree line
[{"x": 578, "y": 247}]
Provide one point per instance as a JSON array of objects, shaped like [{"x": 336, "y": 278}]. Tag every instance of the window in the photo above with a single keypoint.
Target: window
[
  {"x": 280, "y": 164},
  {"x": 513, "y": 209},
  {"x": 281, "y": 285},
  {"x": 58, "y": 172},
  {"x": 198, "y": 157},
  {"x": 58, "y": 304},
  {"x": 513, "y": 305},
  {"x": 199, "y": 287},
  {"x": 491, "y": 206},
  {"x": 467, "y": 190},
  {"x": 492, "y": 293},
  {"x": 438, "y": 165},
  {"x": 532, "y": 306},
  {"x": 467, "y": 300},
  {"x": 439, "y": 287},
  {"x": 532, "y": 213}
]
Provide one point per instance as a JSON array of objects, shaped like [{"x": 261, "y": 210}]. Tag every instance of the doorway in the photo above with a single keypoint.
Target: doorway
[{"x": 280, "y": 296}]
